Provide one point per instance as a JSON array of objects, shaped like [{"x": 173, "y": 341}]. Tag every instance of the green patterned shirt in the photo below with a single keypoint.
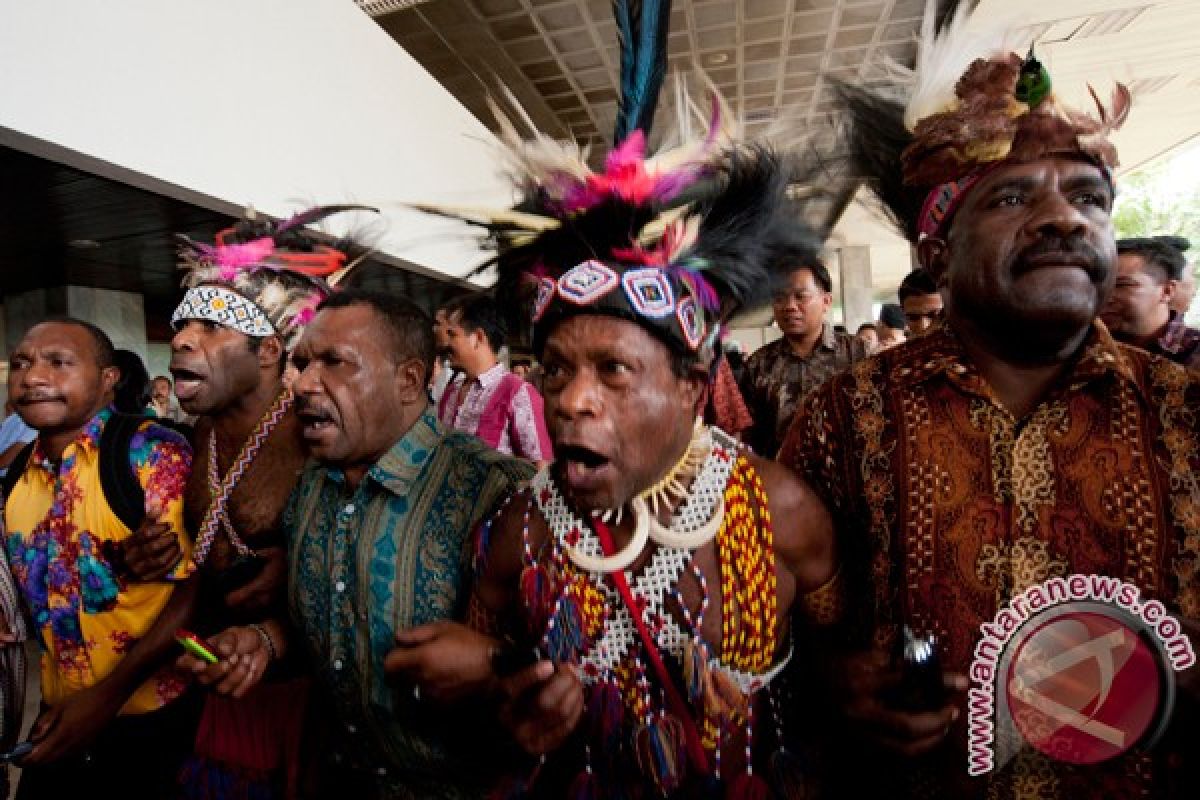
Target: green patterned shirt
[{"x": 386, "y": 557}]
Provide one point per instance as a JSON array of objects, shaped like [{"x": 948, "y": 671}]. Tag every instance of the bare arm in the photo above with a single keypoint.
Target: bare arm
[{"x": 804, "y": 541}]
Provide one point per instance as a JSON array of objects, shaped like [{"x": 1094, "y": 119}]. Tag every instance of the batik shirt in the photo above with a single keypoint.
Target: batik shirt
[
  {"x": 61, "y": 533},
  {"x": 383, "y": 558},
  {"x": 946, "y": 505},
  {"x": 777, "y": 380},
  {"x": 501, "y": 409}
]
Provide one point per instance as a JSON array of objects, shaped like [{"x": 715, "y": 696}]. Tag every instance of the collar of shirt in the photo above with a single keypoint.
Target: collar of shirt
[
  {"x": 940, "y": 353},
  {"x": 402, "y": 463},
  {"x": 826, "y": 341},
  {"x": 88, "y": 441},
  {"x": 491, "y": 377},
  {"x": 1176, "y": 335}
]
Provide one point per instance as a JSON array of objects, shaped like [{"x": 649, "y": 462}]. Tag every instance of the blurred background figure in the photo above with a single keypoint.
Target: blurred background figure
[
  {"x": 1181, "y": 302},
  {"x": 891, "y": 326},
  {"x": 1138, "y": 312},
  {"x": 920, "y": 301},
  {"x": 868, "y": 336},
  {"x": 163, "y": 404},
  {"x": 779, "y": 375},
  {"x": 132, "y": 393},
  {"x": 14, "y": 435}
]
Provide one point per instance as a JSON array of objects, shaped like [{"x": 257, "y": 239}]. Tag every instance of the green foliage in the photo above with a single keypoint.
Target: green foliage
[{"x": 1159, "y": 200}]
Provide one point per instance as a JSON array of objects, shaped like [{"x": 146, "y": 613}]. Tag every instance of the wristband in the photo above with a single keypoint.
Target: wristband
[{"x": 267, "y": 640}]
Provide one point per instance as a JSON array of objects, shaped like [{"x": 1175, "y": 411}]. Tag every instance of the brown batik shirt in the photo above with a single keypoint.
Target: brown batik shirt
[
  {"x": 777, "y": 380},
  {"x": 946, "y": 506}
]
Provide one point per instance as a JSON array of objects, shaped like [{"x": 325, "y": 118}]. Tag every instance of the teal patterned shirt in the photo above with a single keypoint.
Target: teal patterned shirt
[{"x": 389, "y": 556}]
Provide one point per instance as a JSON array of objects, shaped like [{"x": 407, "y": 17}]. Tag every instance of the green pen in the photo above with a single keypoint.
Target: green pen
[{"x": 193, "y": 645}]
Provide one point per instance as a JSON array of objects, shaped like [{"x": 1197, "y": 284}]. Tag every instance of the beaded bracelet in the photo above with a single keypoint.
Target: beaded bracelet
[{"x": 267, "y": 640}]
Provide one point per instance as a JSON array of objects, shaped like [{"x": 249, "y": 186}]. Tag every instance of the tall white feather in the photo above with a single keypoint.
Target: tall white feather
[{"x": 943, "y": 57}]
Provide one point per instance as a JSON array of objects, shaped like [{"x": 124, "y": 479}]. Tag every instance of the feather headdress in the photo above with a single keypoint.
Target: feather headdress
[
  {"x": 674, "y": 241},
  {"x": 278, "y": 272},
  {"x": 968, "y": 105}
]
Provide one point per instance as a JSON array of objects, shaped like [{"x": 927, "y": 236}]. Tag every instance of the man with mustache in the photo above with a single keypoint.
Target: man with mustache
[
  {"x": 1140, "y": 309},
  {"x": 779, "y": 375},
  {"x": 249, "y": 297},
  {"x": 377, "y": 528},
  {"x": 1015, "y": 443},
  {"x": 115, "y": 718}
]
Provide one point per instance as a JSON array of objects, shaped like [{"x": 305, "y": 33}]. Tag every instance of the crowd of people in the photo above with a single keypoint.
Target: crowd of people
[{"x": 344, "y": 550}]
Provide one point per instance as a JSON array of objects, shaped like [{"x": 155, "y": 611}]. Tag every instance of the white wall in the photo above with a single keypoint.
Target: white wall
[{"x": 275, "y": 103}]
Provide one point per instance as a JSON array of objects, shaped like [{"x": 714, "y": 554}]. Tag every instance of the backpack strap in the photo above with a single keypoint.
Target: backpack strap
[
  {"x": 17, "y": 468},
  {"x": 118, "y": 479}
]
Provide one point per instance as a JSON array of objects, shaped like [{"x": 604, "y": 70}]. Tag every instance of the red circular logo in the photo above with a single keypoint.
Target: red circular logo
[{"x": 1083, "y": 687}]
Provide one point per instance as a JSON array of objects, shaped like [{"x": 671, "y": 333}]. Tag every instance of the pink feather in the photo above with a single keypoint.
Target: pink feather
[{"x": 232, "y": 257}]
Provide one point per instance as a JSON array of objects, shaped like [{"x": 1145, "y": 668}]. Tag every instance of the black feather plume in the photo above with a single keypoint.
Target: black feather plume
[
  {"x": 738, "y": 225},
  {"x": 875, "y": 137},
  {"x": 642, "y": 27}
]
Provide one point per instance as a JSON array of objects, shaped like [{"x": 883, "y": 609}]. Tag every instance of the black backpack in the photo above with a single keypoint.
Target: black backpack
[{"x": 122, "y": 489}]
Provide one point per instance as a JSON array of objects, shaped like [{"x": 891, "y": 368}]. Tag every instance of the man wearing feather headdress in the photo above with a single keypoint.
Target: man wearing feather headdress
[
  {"x": 1017, "y": 442},
  {"x": 248, "y": 299},
  {"x": 652, "y": 570}
]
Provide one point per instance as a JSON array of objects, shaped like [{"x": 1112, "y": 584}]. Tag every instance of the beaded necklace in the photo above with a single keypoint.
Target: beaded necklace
[
  {"x": 219, "y": 489},
  {"x": 580, "y": 618}
]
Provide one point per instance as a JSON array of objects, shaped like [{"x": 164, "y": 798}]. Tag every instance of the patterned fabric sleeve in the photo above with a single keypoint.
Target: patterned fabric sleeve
[
  {"x": 12, "y": 662},
  {"x": 530, "y": 438},
  {"x": 813, "y": 446},
  {"x": 162, "y": 460}
]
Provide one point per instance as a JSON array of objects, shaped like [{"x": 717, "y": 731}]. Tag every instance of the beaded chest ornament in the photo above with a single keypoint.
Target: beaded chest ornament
[{"x": 573, "y": 606}]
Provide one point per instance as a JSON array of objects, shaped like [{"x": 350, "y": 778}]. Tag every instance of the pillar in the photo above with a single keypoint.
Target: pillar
[{"x": 854, "y": 265}]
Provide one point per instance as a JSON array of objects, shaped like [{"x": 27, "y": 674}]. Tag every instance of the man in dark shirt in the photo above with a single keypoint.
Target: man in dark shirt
[
  {"x": 780, "y": 374},
  {"x": 1139, "y": 312}
]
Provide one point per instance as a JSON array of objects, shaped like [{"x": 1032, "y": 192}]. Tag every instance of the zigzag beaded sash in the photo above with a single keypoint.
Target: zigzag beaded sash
[{"x": 217, "y": 515}]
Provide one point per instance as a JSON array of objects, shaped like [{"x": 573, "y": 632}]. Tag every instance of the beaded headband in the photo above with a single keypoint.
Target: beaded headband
[
  {"x": 225, "y": 307},
  {"x": 650, "y": 296}
]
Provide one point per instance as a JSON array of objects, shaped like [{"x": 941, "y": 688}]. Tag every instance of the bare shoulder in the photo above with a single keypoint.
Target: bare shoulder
[
  {"x": 500, "y": 544},
  {"x": 804, "y": 538}
]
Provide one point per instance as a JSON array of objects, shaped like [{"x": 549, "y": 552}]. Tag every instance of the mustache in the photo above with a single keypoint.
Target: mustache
[
  {"x": 1063, "y": 249},
  {"x": 309, "y": 408}
]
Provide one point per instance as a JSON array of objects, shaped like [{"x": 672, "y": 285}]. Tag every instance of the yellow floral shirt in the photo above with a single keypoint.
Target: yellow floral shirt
[{"x": 61, "y": 533}]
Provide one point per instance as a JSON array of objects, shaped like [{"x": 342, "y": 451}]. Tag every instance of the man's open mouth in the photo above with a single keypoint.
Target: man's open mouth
[
  {"x": 313, "y": 421},
  {"x": 187, "y": 382},
  {"x": 583, "y": 468}
]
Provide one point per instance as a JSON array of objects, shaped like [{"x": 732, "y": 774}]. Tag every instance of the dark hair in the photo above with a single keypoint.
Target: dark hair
[
  {"x": 475, "y": 312},
  {"x": 132, "y": 392},
  {"x": 864, "y": 326},
  {"x": 892, "y": 315},
  {"x": 1163, "y": 253},
  {"x": 410, "y": 327},
  {"x": 102, "y": 344},
  {"x": 916, "y": 282},
  {"x": 785, "y": 269}
]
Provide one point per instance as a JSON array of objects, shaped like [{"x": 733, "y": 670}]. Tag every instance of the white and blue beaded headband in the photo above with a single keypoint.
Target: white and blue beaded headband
[{"x": 224, "y": 307}]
